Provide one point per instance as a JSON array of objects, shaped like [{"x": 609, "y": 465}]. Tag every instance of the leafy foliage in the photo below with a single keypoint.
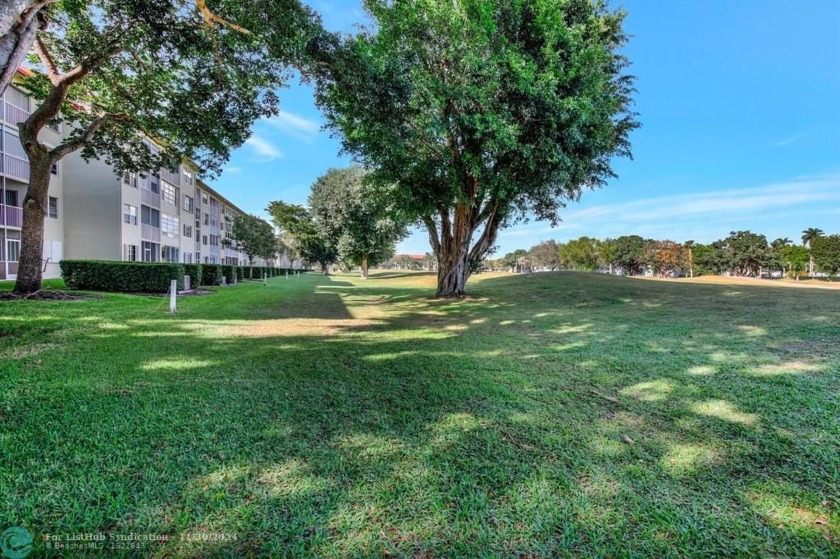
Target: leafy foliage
[
  {"x": 131, "y": 277},
  {"x": 296, "y": 225},
  {"x": 355, "y": 217},
  {"x": 630, "y": 254},
  {"x": 481, "y": 111},
  {"x": 826, "y": 251},
  {"x": 795, "y": 259},
  {"x": 118, "y": 74},
  {"x": 253, "y": 236},
  {"x": 665, "y": 257},
  {"x": 580, "y": 254},
  {"x": 545, "y": 254}
]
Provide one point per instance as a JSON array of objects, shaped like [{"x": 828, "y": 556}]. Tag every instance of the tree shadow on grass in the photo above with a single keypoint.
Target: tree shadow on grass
[{"x": 501, "y": 425}]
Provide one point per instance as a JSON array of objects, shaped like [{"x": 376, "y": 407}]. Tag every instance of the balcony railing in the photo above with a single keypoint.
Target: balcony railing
[
  {"x": 13, "y": 114},
  {"x": 16, "y": 167},
  {"x": 149, "y": 198},
  {"x": 150, "y": 233},
  {"x": 11, "y": 216},
  {"x": 171, "y": 177}
]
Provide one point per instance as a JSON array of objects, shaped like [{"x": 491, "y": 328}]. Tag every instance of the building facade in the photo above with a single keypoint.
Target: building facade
[{"x": 165, "y": 215}]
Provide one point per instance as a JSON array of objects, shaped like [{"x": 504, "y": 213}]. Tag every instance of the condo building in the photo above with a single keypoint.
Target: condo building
[{"x": 168, "y": 215}]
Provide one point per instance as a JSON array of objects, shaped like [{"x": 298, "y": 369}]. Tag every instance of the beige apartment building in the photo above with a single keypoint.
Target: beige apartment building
[{"x": 163, "y": 216}]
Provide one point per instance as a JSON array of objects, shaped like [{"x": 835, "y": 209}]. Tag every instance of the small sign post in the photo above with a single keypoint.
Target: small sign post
[{"x": 173, "y": 295}]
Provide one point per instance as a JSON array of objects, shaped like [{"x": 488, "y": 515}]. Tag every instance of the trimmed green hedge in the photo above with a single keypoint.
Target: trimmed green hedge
[
  {"x": 195, "y": 272},
  {"x": 113, "y": 275},
  {"x": 229, "y": 271},
  {"x": 211, "y": 274}
]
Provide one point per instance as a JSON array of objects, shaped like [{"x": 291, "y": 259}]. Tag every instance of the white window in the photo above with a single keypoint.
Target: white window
[
  {"x": 130, "y": 253},
  {"x": 169, "y": 193},
  {"x": 169, "y": 254},
  {"x": 169, "y": 225},
  {"x": 129, "y": 214},
  {"x": 54, "y": 169},
  {"x": 187, "y": 230},
  {"x": 12, "y": 246},
  {"x": 150, "y": 251},
  {"x": 187, "y": 258},
  {"x": 188, "y": 204},
  {"x": 52, "y": 209},
  {"x": 149, "y": 216}
]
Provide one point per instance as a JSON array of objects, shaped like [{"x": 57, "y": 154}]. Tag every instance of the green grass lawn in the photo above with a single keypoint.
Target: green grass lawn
[{"x": 546, "y": 415}]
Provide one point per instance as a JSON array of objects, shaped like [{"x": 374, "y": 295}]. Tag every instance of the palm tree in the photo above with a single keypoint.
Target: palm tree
[{"x": 807, "y": 236}]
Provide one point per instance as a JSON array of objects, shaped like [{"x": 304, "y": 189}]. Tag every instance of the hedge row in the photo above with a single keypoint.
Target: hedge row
[
  {"x": 154, "y": 277},
  {"x": 110, "y": 275}
]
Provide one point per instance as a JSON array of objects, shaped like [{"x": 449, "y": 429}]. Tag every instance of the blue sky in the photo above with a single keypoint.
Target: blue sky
[{"x": 740, "y": 107}]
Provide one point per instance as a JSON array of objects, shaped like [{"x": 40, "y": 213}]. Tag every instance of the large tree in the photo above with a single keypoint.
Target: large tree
[
  {"x": 744, "y": 253},
  {"x": 665, "y": 257},
  {"x": 298, "y": 229},
  {"x": 825, "y": 250},
  {"x": 630, "y": 254},
  {"x": 482, "y": 112},
  {"x": 795, "y": 259},
  {"x": 253, "y": 236},
  {"x": 358, "y": 219},
  {"x": 120, "y": 73},
  {"x": 581, "y": 254},
  {"x": 545, "y": 255}
]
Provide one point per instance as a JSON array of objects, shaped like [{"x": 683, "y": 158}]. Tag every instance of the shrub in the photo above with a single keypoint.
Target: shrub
[
  {"x": 194, "y": 271},
  {"x": 229, "y": 272},
  {"x": 211, "y": 274},
  {"x": 113, "y": 275}
]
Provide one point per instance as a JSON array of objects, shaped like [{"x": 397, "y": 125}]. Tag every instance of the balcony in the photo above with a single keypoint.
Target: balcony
[
  {"x": 11, "y": 216},
  {"x": 149, "y": 198},
  {"x": 13, "y": 114},
  {"x": 15, "y": 167},
  {"x": 149, "y": 233}
]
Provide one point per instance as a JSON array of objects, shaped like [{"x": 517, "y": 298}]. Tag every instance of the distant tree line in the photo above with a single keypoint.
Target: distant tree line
[{"x": 741, "y": 253}]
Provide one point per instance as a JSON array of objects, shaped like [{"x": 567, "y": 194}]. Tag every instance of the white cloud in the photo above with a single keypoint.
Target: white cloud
[
  {"x": 701, "y": 211},
  {"x": 233, "y": 170},
  {"x": 791, "y": 140},
  {"x": 263, "y": 147},
  {"x": 295, "y": 125}
]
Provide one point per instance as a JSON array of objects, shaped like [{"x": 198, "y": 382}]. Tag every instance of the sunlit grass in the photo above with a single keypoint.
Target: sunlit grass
[{"x": 545, "y": 415}]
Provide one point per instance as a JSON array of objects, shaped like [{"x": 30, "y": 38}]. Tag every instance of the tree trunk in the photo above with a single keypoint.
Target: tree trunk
[
  {"x": 20, "y": 21},
  {"x": 325, "y": 269},
  {"x": 453, "y": 259},
  {"x": 453, "y": 275},
  {"x": 30, "y": 267},
  {"x": 364, "y": 268}
]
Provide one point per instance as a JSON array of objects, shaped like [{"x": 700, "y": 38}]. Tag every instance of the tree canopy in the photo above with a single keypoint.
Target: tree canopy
[
  {"x": 482, "y": 112},
  {"x": 356, "y": 218},
  {"x": 826, "y": 251},
  {"x": 119, "y": 74},
  {"x": 253, "y": 236},
  {"x": 298, "y": 227}
]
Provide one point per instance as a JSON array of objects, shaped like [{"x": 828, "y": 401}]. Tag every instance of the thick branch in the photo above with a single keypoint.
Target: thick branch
[
  {"x": 53, "y": 73},
  {"x": 16, "y": 37},
  {"x": 211, "y": 19},
  {"x": 79, "y": 142},
  {"x": 434, "y": 239}
]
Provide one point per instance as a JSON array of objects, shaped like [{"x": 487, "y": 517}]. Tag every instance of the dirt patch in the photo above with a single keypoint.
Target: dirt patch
[{"x": 51, "y": 295}]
